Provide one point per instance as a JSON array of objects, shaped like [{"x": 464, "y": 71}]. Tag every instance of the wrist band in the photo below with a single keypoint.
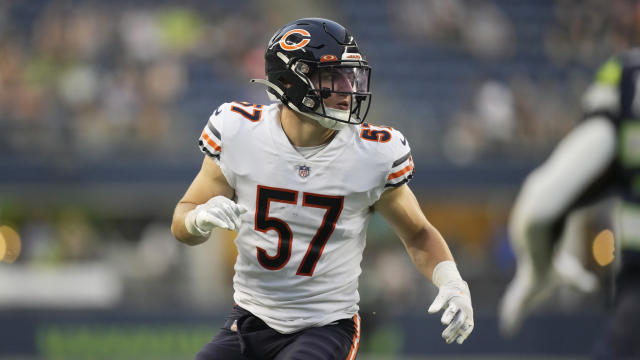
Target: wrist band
[{"x": 444, "y": 272}]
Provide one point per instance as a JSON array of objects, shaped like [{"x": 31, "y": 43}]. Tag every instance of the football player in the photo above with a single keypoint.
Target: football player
[
  {"x": 599, "y": 157},
  {"x": 298, "y": 180}
]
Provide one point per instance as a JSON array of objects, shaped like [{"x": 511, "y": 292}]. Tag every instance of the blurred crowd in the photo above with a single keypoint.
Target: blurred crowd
[
  {"x": 85, "y": 79},
  {"x": 95, "y": 80},
  {"x": 531, "y": 61}
]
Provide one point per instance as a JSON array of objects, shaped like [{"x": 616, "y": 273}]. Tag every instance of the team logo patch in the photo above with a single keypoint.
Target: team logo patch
[
  {"x": 330, "y": 57},
  {"x": 299, "y": 41},
  {"x": 303, "y": 171}
]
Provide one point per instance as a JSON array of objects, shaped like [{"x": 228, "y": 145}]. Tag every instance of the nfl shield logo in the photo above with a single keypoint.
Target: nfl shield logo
[{"x": 303, "y": 171}]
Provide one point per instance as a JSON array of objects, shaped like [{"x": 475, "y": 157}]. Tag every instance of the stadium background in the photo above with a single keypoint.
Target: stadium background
[{"x": 101, "y": 104}]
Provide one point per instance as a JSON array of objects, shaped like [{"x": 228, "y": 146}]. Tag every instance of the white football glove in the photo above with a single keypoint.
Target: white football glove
[
  {"x": 455, "y": 298},
  {"x": 529, "y": 290},
  {"x": 523, "y": 293},
  {"x": 219, "y": 211}
]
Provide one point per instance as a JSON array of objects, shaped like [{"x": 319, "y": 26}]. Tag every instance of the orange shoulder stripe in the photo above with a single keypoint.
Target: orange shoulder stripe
[
  {"x": 401, "y": 172},
  {"x": 213, "y": 144}
]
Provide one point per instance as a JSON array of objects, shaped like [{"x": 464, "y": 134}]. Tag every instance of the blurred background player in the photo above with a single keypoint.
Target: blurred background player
[
  {"x": 600, "y": 156},
  {"x": 299, "y": 180}
]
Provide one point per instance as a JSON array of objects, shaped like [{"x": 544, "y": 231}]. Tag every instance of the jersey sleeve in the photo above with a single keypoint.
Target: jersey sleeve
[
  {"x": 401, "y": 167},
  {"x": 210, "y": 141},
  {"x": 220, "y": 128}
]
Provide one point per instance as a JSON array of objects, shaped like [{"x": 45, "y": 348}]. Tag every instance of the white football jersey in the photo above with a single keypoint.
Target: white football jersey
[{"x": 301, "y": 243}]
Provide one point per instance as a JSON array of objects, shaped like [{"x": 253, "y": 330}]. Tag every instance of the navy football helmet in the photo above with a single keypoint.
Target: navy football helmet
[{"x": 312, "y": 63}]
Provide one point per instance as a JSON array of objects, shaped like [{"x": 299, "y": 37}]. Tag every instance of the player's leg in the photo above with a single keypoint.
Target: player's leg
[
  {"x": 245, "y": 337},
  {"x": 620, "y": 339},
  {"x": 226, "y": 345},
  {"x": 336, "y": 341}
]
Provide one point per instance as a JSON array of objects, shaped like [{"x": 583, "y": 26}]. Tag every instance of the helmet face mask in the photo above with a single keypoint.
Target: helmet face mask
[
  {"x": 314, "y": 67},
  {"x": 338, "y": 91}
]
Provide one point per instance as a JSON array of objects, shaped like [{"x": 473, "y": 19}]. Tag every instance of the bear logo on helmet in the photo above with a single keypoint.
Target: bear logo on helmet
[{"x": 302, "y": 40}]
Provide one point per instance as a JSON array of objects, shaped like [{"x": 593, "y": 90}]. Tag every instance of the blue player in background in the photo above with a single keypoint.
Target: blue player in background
[{"x": 599, "y": 157}]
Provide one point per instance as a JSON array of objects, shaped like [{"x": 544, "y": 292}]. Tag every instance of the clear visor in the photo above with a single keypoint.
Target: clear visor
[
  {"x": 342, "y": 79},
  {"x": 338, "y": 92}
]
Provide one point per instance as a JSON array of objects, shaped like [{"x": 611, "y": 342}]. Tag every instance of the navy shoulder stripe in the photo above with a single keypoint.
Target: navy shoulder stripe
[
  {"x": 401, "y": 160},
  {"x": 404, "y": 181},
  {"x": 213, "y": 130}
]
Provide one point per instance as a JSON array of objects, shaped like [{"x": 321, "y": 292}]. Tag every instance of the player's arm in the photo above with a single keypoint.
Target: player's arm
[
  {"x": 431, "y": 255},
  {"x": 205, "y": 205},
  {"x": 575, "y": 171},
  {"x": 423, "y": 242},
  {"x": 578, "y": 163},
  {"x": 576, "y": 167}
]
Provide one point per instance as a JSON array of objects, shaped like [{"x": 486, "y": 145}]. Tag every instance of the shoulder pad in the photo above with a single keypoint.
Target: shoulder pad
[
  {"x": 248, "y": 111},
  {"x": 402, "y": 167},
  {"x": 224, "y": 122},
  {"x": 394, "y": 150}
]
